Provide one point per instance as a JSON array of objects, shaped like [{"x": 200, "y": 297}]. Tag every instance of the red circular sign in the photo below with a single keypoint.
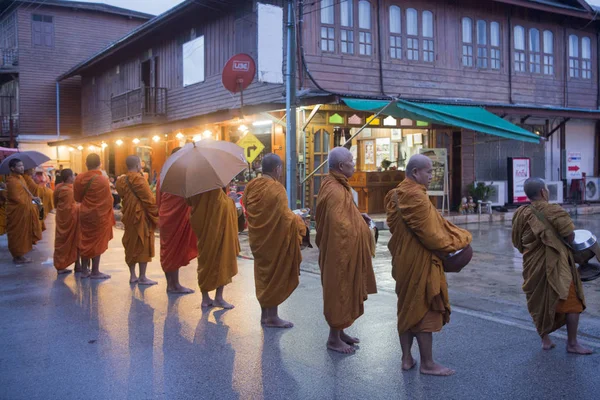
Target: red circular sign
[{"x": 238, "y": 73}]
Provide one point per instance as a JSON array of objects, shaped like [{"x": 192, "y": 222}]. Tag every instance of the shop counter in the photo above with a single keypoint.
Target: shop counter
[{"x": 372, "y": 187}]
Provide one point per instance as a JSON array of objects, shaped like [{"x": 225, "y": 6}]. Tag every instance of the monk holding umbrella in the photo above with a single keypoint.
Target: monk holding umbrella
[{"x": 199, "y": 172}]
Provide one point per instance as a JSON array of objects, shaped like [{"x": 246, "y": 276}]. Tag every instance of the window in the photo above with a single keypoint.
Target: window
[
  {"x": 467, "y": 40},
  {"x": 42, "y": 30},
  {"x": 482, "y": 42},
  {"x": 347, "y": 30},
  {"x": 548, "y": 53},
  {"x": 412, "y": 32},
  {"x": 193, "y": 61},
  {"x": 586, "y": 58},
  {"x": 535, "y": 61},
  {"x": 395, "y": 32},
  {"x": 519, "y": 44},
  {"x": 428, "y": 51},
  {"x": 495, "y": 45},
  {"x": 573, "y": 56},
  {"x": 365, "y": 46},
  {"x": 327, "y": 32}
]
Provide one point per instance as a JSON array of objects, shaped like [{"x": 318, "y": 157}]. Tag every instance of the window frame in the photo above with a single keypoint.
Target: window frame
[
  {"x": 422, "y": 49},
  {"x": 329, "y": 28},
  {"x": 474, "y": 49},
  {"x": 528, "y": 52},
  {"x": 364, "y": 33},
  {"x": 198, "y": 38},
  {"x": 44, "y": 21}
]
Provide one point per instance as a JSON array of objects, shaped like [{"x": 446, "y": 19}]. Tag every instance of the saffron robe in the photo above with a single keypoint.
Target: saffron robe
[
  {"x": 2, "y": 212},
  {"x": 418, "y": 230},
  {"x": 549, "y": 271},
  {"x": 140, "y": 217},
  {"x": 275, "y": 235},
  {"x": 96, "y": 217},
  {"x": 346, "y": 247},
  {"x": 66, "y": 239},
  {"x": 178, "y": 243},
  {"x": 214, "y": 220},
  {"x": 36, "y": 191},
  {"x": 23, "y": 226}
]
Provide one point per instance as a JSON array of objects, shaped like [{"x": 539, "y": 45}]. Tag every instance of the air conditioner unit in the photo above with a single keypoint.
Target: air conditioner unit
[
  {"x": 500, "y": 196},
  {"x": 592, "y": 188},
  {"x": 556, "y": 191}
]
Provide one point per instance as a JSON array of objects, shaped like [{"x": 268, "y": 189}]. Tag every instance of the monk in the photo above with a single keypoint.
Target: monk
[
  {"x": 2, "y": 208},
  {"x": 66, "y": 239},
  {"x": 346, "y": 251},
  {"x": 23, "y": 226},
  {"x": 214, "y": 220},
  {"x": 421, "y": 239},
  {"x": 140, "y": 218},
  {"x": 96, "y": 218},
  {"x": 45, "y": 193},
  {"x": 276, "y": 235},
  {"x": 541, "y": 232},
  {"x": 35, "y": 189},
  {"x": 178, "y": 243}
]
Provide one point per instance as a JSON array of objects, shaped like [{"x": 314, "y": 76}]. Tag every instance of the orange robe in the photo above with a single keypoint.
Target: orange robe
[
  {"x": 178, "y": 243},
  {"x": 418, "y": 229},
  {"x": 345, "y": 245},
  {"x": 22, "y": 218},
  {"x": 96, "y": 217},
  {"x": 551, "y": 281},
  {"x": 214, "y": 220},
  {"x": 66, "y": 240},
  {"x": 275, "y": 234},
  {"x": 140, "y": 217},
  {"x": 2, "y": 212},
  {"x": 37, "y": 192}
]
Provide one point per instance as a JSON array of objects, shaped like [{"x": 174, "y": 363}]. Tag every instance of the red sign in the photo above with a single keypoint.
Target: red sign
[
  {"x": 238, "y": 73},
  {"x": 574, "y": 168}
]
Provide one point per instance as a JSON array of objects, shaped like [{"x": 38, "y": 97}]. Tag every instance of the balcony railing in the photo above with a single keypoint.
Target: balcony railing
[
  {"x": 8, "y": 123},
  {"x": 139, "y": 106},
  {"x": 9, "y": 58}
]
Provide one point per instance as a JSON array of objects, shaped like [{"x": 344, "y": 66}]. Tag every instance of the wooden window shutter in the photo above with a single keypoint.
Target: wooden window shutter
[
  {"x": 48, "y": 34},
  {"x": 36, "y": 32}
]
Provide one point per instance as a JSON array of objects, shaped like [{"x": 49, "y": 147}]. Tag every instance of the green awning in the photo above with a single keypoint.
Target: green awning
[{"x": 473, "y": 118}]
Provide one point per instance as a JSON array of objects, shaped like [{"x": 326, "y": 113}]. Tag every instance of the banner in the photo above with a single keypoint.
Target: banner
[
  {"x": 519, "y": 172},
  {"x": 439, "y": 159},
  {"x": 574, "y": 165}
]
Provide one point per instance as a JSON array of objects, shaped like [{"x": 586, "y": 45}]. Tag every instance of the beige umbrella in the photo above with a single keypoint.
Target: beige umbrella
[{"x": 201, "y": 167}]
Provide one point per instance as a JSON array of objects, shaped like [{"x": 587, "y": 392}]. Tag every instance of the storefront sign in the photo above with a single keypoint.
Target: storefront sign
[
  {"x": 519, "y": 171},
  {"x": 574, "y": 165},
  {"x": 439, "y": 159},
  {"x": 252, "y": 146}
]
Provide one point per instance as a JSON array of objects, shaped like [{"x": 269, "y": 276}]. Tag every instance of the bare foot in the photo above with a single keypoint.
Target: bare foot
[
  {"x": 436, "y": 370},
  {"x": 578, "y": 349},
  {"x": 277, "y": 322},
  {"x": 99, "y": 275},
  {"x": 179, "y": 290},
  {"x": 222, "y": 303},
  {"x": 64, "y": 271},
  {"x": 22, "y": 260},
  {"x": 408, "y": 364},
  {"x": 146, "y": 281},
  {"x": 207, "y": 303},
  {"x": 349, "y": 339},
  {"x": 340, "y": 347},
  {"x": 85, "y": 273},
  {"x": 133, "y": 279},
  {"x": 547, "y": 343}
]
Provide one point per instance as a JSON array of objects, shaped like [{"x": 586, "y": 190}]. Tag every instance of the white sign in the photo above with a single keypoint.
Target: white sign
[
  {"x": 439, "y": 160},
  {"x": 521, "y": 172},
  {"x": 574, "y": 165}
]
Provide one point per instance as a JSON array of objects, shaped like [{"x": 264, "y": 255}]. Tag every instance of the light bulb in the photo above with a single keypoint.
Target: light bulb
[
  {"x": 136, "y": 140},
  {"x": 119, "y": 142},
  {"x": 79, "y": 148},
  {"x": 179, "y": 135},
  {"x": 197, "y": 138},
  {"x": 156, "y": 138}
]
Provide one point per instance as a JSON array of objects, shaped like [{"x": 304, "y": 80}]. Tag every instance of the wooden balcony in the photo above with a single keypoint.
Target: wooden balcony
[
  {"x": 9, "y": 123},
  {"x": 145, "y": 105},
  {"x": 9, "y": 58}
]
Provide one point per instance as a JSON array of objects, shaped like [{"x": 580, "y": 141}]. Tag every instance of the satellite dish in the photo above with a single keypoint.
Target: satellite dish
[{"x": 238, "y": 73}]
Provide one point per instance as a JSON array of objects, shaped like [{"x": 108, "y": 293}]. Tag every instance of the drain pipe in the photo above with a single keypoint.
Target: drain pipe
[{"x": 57, "y": 109}]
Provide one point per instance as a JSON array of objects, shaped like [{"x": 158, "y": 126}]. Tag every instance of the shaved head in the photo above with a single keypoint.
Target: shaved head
[
  {"x": 270, "y": 163},
  {"x": 420, "y": 169},
  {"x": 341, "y": 161},
  {"x": 133, "y": 163},
  {"x": 66, "y": 175},
  {"x": 534, "y": 188},
  {"x": 92, "y": 161}
]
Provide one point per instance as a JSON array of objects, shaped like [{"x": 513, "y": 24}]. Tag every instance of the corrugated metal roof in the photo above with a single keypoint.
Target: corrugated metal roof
[{"x": 99, "y": 7}]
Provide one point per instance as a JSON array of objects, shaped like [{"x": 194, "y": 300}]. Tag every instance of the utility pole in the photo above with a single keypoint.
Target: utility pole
[{"x": 290, "y": 103}]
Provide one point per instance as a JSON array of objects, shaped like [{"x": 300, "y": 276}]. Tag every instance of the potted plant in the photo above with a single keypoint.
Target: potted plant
[
  {"x": 385, "y": 164},
  {"x": 481, "y": 191}
]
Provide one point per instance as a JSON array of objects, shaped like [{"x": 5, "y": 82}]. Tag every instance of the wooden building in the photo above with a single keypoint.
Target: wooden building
[
  {"x": 39, "y": 40},
  {"x": 532, "y": 63}
]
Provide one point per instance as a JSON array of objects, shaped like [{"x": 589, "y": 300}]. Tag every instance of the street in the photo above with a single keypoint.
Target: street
[{"x": 66, "y": 338}]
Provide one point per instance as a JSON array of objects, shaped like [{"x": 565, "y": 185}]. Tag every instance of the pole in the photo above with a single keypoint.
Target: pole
[{"x": 290, "y": 103}]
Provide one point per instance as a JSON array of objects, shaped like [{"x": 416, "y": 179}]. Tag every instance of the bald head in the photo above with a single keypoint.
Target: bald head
[
  {"x": 271, "y": 165},
  {"x": 419, "y": 169},
  {"x": 92, "y": 161},
  {"x": 536, "y": 189},
  {"x": 133, "y": 163}
]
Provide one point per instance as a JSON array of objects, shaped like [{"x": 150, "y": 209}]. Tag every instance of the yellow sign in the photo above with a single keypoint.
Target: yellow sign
[{"x": 252, "y": 146}]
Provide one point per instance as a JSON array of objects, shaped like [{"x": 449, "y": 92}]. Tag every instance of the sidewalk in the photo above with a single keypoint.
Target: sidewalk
[{"x": 63, "y": 338}]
